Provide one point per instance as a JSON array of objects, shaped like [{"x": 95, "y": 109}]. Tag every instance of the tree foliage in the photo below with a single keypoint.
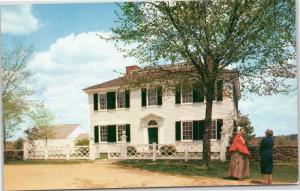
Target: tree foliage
[
  {"x": 255, "y": 39},
  {"x": 41, "y": 121},
  {"x": 82, "y": 142},
  {"x": 18, "y": 144},
  {"x": 244, "y": 122},
  {"x": 16, "y": 88}
]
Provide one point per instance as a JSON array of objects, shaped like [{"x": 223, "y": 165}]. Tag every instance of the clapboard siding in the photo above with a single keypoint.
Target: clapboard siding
[{"x": 168, "y": 110}]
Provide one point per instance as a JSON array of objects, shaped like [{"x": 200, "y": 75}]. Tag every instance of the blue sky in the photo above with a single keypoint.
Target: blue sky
[{"x": 69, "y": 57}]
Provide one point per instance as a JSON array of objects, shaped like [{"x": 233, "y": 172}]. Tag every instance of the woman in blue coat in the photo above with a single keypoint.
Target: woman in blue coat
[{"x": 266, "y": 156}]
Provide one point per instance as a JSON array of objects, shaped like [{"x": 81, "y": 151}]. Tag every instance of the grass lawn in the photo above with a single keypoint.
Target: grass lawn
[
  {"x": 14, "y": 162},
  {"x": 282, "y": 172}
]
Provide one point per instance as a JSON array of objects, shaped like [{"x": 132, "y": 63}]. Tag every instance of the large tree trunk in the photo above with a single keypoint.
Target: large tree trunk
[{"x": 207, "y": 124}]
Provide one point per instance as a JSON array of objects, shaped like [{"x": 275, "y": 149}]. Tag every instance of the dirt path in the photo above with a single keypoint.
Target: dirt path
[{"x": 102, "y": 175}]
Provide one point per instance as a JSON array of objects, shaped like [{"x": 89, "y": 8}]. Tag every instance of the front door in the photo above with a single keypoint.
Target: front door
[{"x": 153, "y": 135}]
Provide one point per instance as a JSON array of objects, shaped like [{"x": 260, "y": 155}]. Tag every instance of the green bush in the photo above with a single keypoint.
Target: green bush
[
  {"x": 82, "y": 142},
  {"x": 18, "y": 144}
]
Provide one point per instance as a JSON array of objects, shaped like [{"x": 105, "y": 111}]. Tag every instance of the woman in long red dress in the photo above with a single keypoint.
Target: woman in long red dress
[{"x": 239, "y": 164}]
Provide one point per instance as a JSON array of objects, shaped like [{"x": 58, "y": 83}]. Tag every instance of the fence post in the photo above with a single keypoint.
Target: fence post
[
  {"x": 25, "y": 149},
  {"x": 92, "y": 149},
  {"x": 123, "y": 146},
  {"x": 46, "y": 152},
  {"x": 68, "y": 152},
  {"x": 186, "y": 153},
  {"x": 154, "y": 151}
]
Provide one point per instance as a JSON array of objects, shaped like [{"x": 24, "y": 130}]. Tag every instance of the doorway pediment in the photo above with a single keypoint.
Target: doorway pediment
[{"x": 150, "y": 118}]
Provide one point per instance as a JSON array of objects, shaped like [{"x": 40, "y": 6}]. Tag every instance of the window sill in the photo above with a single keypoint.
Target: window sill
[
  {"x": 189, "y": 141},
  {"x": 116, "y": 109},
  {"x": 151, "y": 106},
  {"x": 193, "y": 103},
  {"x": 189, "y": 103}
]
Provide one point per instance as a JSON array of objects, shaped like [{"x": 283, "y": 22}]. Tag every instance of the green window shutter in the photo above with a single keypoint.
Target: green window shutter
[
  {"x": 196, "y": 94},
  {"x": 96, "y": 134},
  {"x": 178, "y": 95},
  {"x": 95, "y": 102},
  {"x": 201, "y": 129},
  {"x": 196, "y": 130},
  {"x": 127, "y": 98},
  {"x": 159, "y": 95},
  {"x": 144, "y": 97},
  {"x": 128, "y": 132},
  {"x": 111, "y": 134},
  {"x": 178, "y": 130},
  {"x": 219, "y": 90},
  {"x": 111, "y": 100},
  {"x": 219, "y": 128}
]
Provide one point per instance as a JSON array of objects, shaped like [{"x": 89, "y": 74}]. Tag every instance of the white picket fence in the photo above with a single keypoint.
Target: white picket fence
[
  {"x": 63, "y": 152},
  {"x": 184, "y": 151},
  {"x": 121, "y": 151}
]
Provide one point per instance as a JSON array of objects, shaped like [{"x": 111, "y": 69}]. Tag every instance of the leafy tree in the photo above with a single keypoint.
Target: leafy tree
[
  {"x": 16, "y": 88},
  {"x": 255, "y": 39},
  {"x": 41, "y": 120},
  {"x": 243, "y": 121}
]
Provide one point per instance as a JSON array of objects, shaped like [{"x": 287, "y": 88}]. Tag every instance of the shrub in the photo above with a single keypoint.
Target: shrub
[
  {"x": 167, "y": 149},
  {"x": 82, "y": 142},
  {"x": 18, "y": 144}
]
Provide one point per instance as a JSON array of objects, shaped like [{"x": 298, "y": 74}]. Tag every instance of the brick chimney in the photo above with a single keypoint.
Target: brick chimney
[{"x": 129, "y": 69}]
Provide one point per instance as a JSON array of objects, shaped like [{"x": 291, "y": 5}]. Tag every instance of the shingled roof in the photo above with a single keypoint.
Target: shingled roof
[
  {"x": 134, "y": 72},
  {"x": 63, "y": 131},
  {"x": 110, "y": 83}
]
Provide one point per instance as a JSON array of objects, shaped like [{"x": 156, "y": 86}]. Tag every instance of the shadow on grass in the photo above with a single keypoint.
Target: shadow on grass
[{"x": 282, "y": 172}]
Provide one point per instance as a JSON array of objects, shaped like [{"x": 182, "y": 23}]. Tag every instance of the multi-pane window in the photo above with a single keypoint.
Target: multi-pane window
[
  {"x": 213, "y": 130},
  {"x": 121, "y": 99},
  {"x": 152, "y": 97},
  {"x": 103, "y": 133},
  {"x": 120, "y": 129},
  {"x": 187, "y": 130},
  {"x": 102, "y": 98},
  {"x": 187, "y": 95}
]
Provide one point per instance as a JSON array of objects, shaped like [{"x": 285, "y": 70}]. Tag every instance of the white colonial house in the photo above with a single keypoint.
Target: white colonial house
[{"x": 149, "y": 117}]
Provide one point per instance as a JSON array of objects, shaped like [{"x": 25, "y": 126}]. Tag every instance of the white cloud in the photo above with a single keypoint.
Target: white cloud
[
  {"x": 72, "y": 63},
  {"x": 18, "y": 19}
]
